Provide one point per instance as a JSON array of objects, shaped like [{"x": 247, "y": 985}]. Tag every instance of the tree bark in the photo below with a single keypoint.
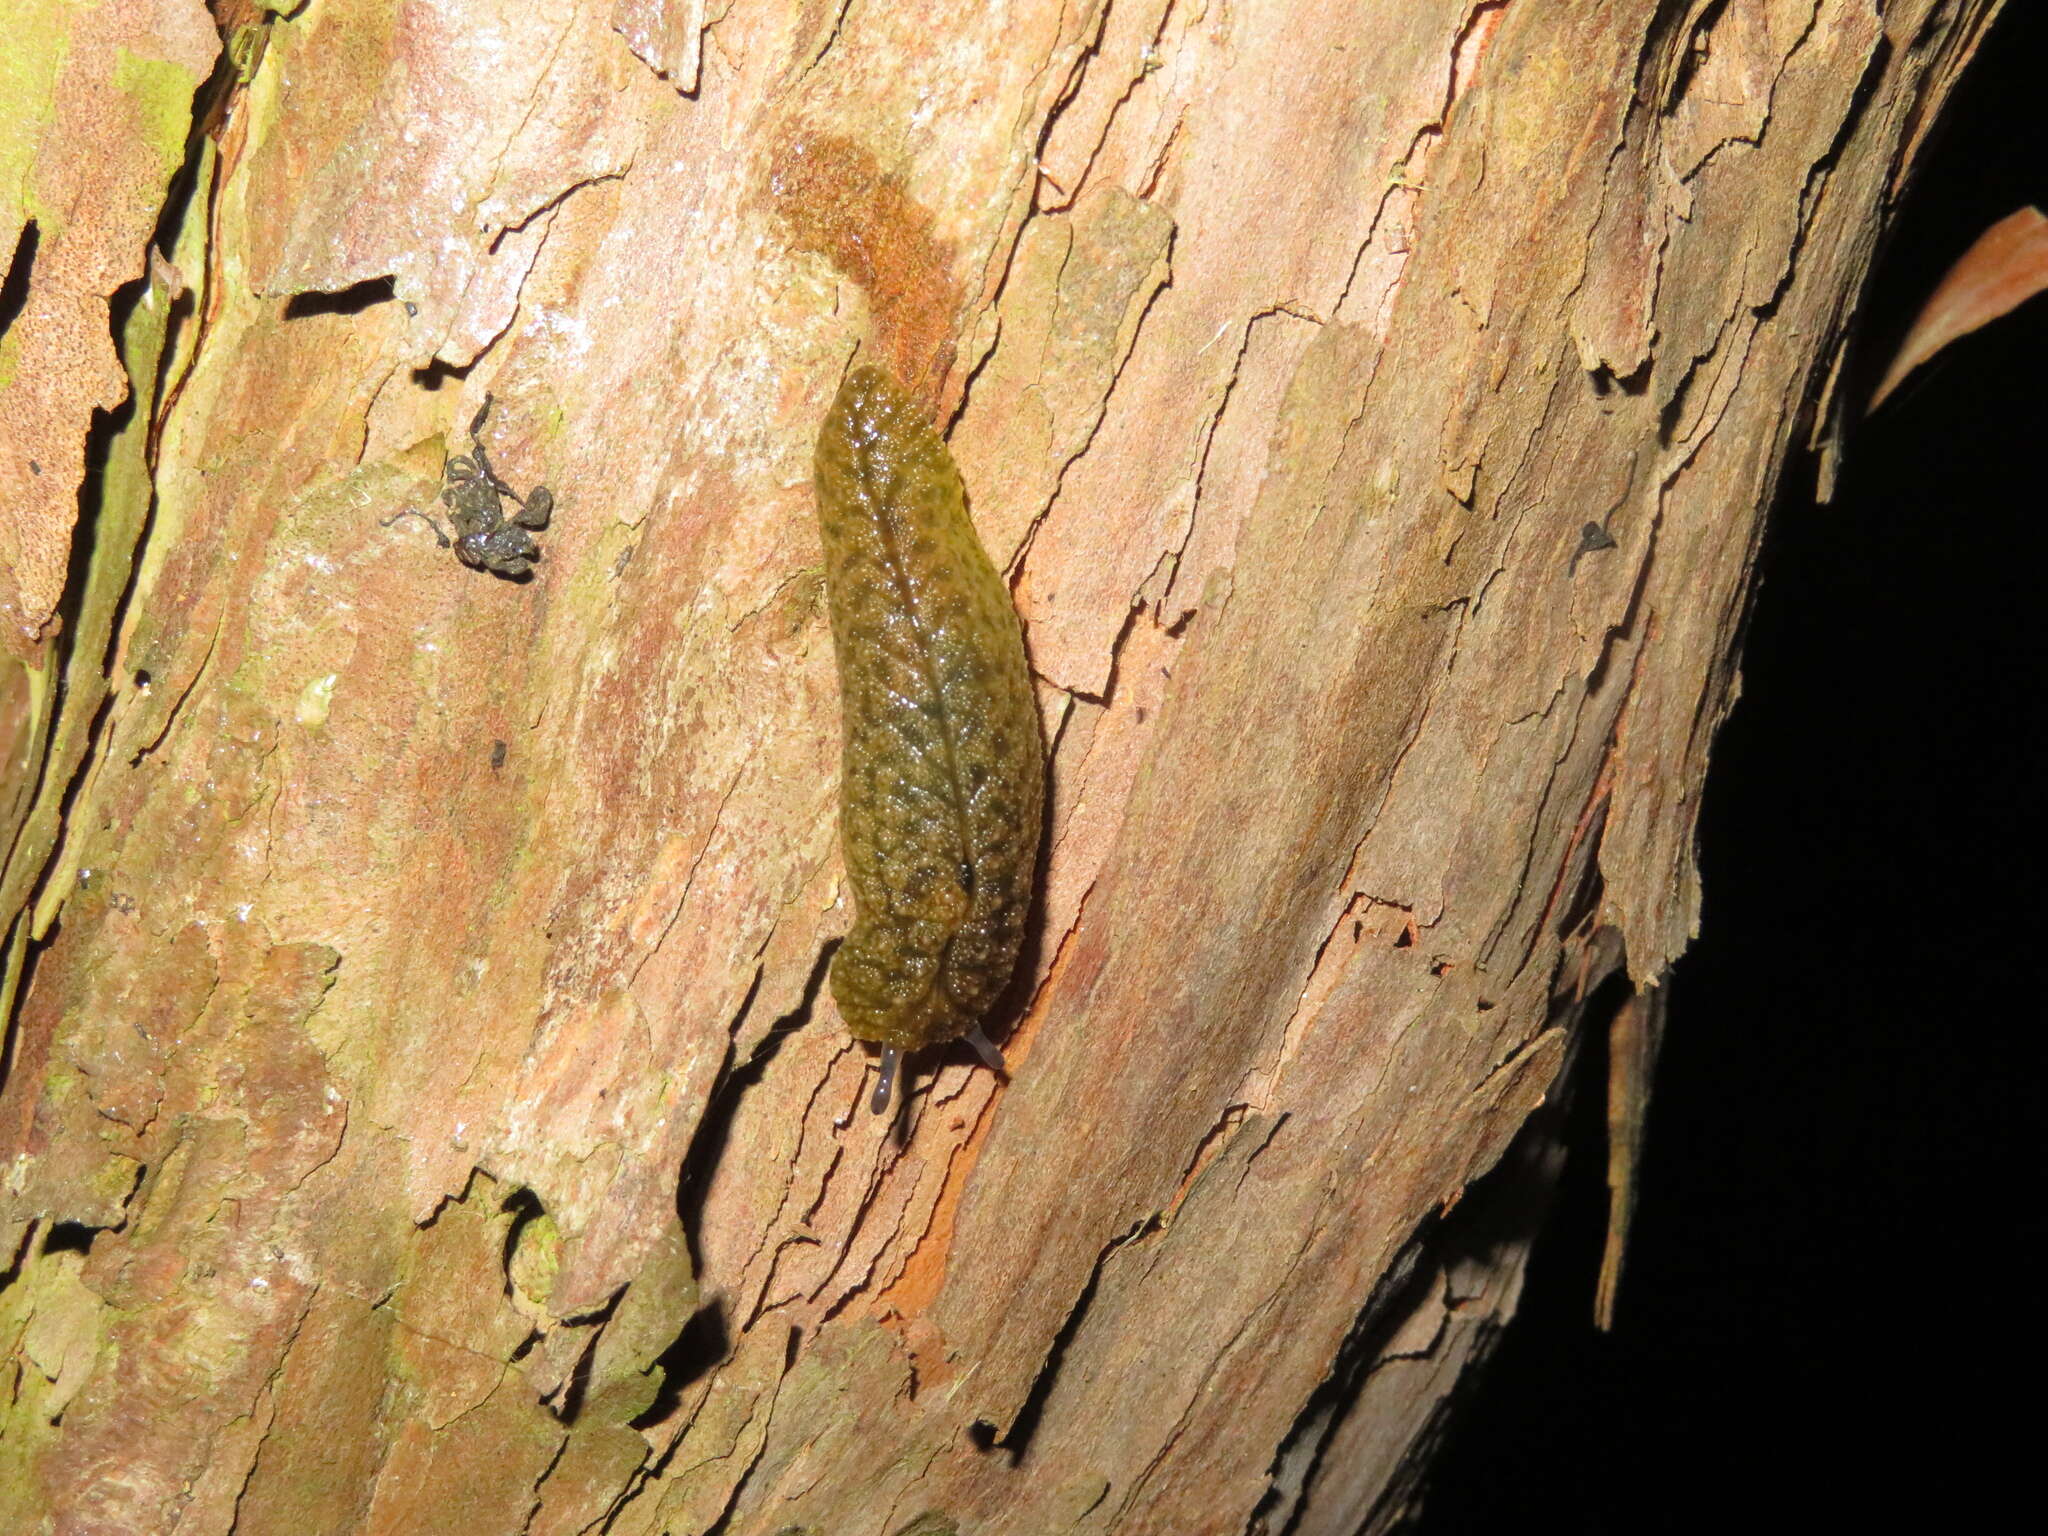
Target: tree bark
[{"x": 421, "y": 1105}]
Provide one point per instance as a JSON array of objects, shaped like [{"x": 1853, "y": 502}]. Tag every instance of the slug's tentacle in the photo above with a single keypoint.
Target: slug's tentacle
[
  {"x": 885, "y": 1082},
  {"x": 986, "y": 1049}
]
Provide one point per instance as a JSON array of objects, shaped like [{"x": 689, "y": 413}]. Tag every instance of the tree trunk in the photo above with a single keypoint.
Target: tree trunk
[{"x": 422, "y": 1108}]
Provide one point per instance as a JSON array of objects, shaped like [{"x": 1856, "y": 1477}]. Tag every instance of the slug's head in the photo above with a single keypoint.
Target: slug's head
[{"x": 885, "y": 977}]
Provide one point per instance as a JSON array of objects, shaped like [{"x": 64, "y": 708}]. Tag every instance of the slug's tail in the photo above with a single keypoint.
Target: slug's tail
[{"x": 885, "y": 1084}]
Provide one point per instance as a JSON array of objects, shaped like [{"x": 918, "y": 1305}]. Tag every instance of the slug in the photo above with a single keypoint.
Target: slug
[{"x": 942, "y": 771}]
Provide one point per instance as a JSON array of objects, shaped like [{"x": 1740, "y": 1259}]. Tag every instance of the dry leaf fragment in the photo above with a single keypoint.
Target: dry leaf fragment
[{"x": 2006, "y": 266}]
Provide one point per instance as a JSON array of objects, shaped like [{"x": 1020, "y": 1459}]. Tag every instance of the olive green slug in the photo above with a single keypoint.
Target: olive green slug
[{"x": 942, "y": 772}]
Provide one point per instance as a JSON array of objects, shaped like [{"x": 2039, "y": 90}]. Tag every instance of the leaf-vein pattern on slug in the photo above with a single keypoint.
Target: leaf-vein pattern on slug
[{"x": 942, "y": 777}]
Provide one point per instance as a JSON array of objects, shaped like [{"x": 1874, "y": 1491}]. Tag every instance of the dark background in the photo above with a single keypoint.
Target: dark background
[{"x": 1829, "y": 1315}]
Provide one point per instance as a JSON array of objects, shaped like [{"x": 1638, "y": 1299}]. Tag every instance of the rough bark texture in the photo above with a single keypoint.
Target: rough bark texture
[{"x": 420, "y": 1110}]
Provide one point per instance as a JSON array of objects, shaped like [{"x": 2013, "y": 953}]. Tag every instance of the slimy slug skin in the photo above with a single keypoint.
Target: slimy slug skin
[{"x": 942, "y": 776}]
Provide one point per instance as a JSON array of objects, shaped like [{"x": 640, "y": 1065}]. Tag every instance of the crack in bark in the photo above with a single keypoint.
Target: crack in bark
[
  {"x": 1029, "y": 538},
  {"x": 916, "y": 1524},
  {"x": 1017, "y": 1439},
  {"x": 340, "y": 1136},
  {"x": 184, "y": 694},
  {"x": 690, "y": 879},
  {"x": 532, "y": 106},
  {"x": 1821, "y": 169},
  {"x": 1222, "y": 1353},
  {"x": 1323, "y": 1408},
  {"x": 266, "y": 1391},
  {"x": 878, "y": 1178},
  {"x": 1811, "y": 196},
  {"x": 1116, "y": 650},
  {"x": 1518, "y": 1052},
  {"x": 764, "y": 1403},
  {"x": 1591, "y": 822},
  {"x": 1536, "y": 830},
  {"x": 1398, "y": 182},
  {"x": 721, "y": 1106},
  {"x": 1070, "y": 89},
  {"x": 1300, "y": 1016},
  {"x": 831, "y": 37},
  {"x": 912, "y": 1243},
  {"x": 780, "y": 1233},
  {"x": 1089, "y": 54},
  {"x": 1208, "y": 1147},
  {"x": 540, "y": 1482},
  {"x": 1170, "y": 558}
]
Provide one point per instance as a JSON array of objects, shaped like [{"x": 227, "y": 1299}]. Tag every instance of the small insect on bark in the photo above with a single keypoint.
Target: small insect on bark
[
  {"x": 485, "y": 538},
  {"x": 942, "y": 770}
]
